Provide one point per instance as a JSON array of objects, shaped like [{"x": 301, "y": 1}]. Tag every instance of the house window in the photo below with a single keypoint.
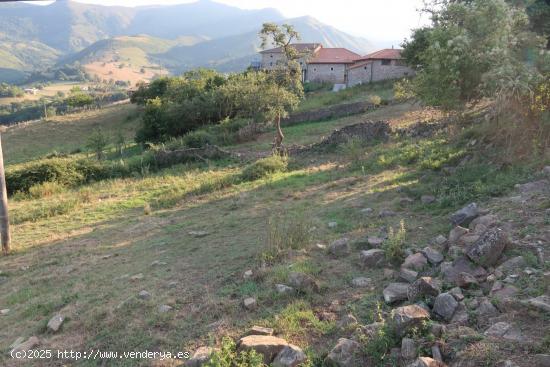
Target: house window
[
  {"x": 314, "y": 69},
  {"x": 270, "y": 64},
  {"x": 271, "y": 56},
  {"x": 386, "y": 62},
  {"x": 331, "y": 69},
  {"x": 364, "y": 67}
]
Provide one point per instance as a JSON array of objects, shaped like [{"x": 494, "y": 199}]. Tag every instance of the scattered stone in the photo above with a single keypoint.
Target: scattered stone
[
  {"x": 415, "y": 261},
  {"x": 427, "y": 362},
  {"x": 164, "y": 308},
  {"x": 172, "y": 284},
  {"x": 200, "y": 357},
  {"x": 372, "y": 258},
  {"x": 5, "y": 311},
  {"x": 504, "y": 330},
  {"x": 158, "y": 263},
  {"x": 284, "y": 289},
  {"x": 486, "y": 310},
  {"x": 512, "y": 265},
  {"x": 389, "y": 273},
  {"x": 456, "y": 233},
  {"x": 339, "y": 247},
  {"x": 546, "y": 170},
  {"x": 395, "y": 292},
  {"x": 361, "y": 282},
  {"x": 445, "y": 306},
  {"x": 347, "y": 322},
  {"x": 465, "y": 215},
  {"x": 461, "y": 316},
  {"x": 433, "y": 256},
  {"x": 55, "y": 322},
  {"x": 367, "y": 211},
  {"x": 320, "y": 246},
  {"x": 250, "y": 303},
  {"x": 344, "y": 354},
  {"x": 29, "y": 344},
  {"x": 466, "y": 280},
  {"x": 487, "y": 221},
  {"x": 535, "y": 186},
  {"x": 541, "y": 303},
  {"x": 456, "y": 292},
  {"x": 198, "y": 234},
  {"x": 260, "y": 330},
  {"x": 374, "y": 241},
  {"x": 268, "y": 346},
  {"x": 427, "y": 199},
  {"x": 506, "y": 363},
  {"x": 303, "y": 282},
  {"x": 451, "y": 271},
  {"x": 332, "y": 224},
  {"x": 408, "y": 275},
  {"x": 139, "y": 276},
  {"x": 542, "y": 360},
  {"x": 407, "y": 317},
  {"x": 421, "y": 288},
  {"x": 436, "y": 353},
  {"x": 144, "y": 295},
  {"x": 440, "y": 240},
  {"x": 386, "y": 213},
  {"x": 290, "y": 356},
  {"x": 487, "y": 250},
  {"x": 248, "y": 274},
  {"x": 408, "y": 349}
]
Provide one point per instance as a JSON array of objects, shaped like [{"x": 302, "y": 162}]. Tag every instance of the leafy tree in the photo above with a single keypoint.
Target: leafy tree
[
  {"x": 97, "y": 143},
  {"x": 284, "y": 88},
  {"x": 79, "y": 100}
]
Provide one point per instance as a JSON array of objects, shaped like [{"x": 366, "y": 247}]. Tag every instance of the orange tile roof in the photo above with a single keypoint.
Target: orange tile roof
[
  {"x": 388, "y": 53},
  {"x": 334, "y": 56},
  {"x": 300, "y": 47}
]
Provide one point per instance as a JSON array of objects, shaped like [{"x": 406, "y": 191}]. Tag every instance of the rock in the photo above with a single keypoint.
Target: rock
[
  {"x": 198, "y": 234},
  {"x": 465, "y": 215},
  {"x": 344, "y": 354},
  {"x": 415, "y": 261},
  {"x": 158, "y": 263},
  {"x": 248, "y": 274},
  {"x": 487, "y": 221},
  {"x": 542, "y": 360},
  {"x": 465, "y": 280},
  {"x": 386, "y": 213},
  {"x": 283, "y": 289},
  {"x": 451, "y": 271},
  {"x": 408, "y": 349},
  {"x": 445, "y": 305},
  {"x": 436, "y": 353},
  {"x": 506, "y": 363},
  {"x": 440, "y": 240},
  {"x": 456, "y": 233},
  {"x": 506, "y": 331},
  {"x": 29, "y": 344},
  {"x": 347, "y": 321},
  {"x": 372, "y": 258},
  {"x": 433, "y": 256},
  {"x": 361, "y": 282},
  {"x": 250, "y": 303},
  {"x": 408, "y": 275},
  {"x": 542, "y": 303},
  {"x": 144, "y": 295},
  {"x": 456, "y": 292},
  {"x": 423, "y": 287},
  {"x": 5, "y": 311},
  {"x": 268, "y": 346},
  {"x": 320, "y": 246},
  {"x": 367, "y": 211},
  {"x": 512, "y": 265},
  {"x": 437, "y": 329},
  {"x": 260, "y": 330},
  {"x": 404, "y": 201},
  {"x": 546, "y": 170},
  {"x": 427, "y": 199},
  {"x": 427, "y": 362},
  {"x": 389, "y": 273},
  {"x": 172, "y": 284},
  {"x": 487, "y": 249},
  {"x": 486, "y": 310},
  {"x": 55, "y": 322},
  {"x": 339, "y": 247},
  {"x": 332, "y": 224},
  {"x": 303, "y": 282},
  {"x": 164, "y": 308},
  {"x": 407, "y": 317},
  {"x": 532, "y": 187},
  {"x": 395, "y": 292},
  {"x": 290, "y": 356},
  {"x": 200, "y": 357},
  {"x": 505, "y": 296},
  {"x": 374, "y": 241},
  {"x": 461, "y": 316},
  {"x": 136, "y": 277}
]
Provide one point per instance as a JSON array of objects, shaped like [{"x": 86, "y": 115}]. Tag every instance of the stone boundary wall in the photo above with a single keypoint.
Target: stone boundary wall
[{"x": 336, "y": 111}]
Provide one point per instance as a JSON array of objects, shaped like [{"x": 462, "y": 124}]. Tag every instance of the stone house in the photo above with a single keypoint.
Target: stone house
[
  {"x": 377, "y": 66},
  {"x": 330, "y": 65},
  {"x": 270, "y": 58}
]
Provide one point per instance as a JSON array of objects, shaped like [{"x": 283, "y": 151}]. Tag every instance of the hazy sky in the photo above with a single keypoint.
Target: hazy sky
[{"x": 377, "y": 20}]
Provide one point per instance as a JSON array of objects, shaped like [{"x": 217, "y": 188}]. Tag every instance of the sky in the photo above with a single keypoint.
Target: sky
[{"x": 382, "y": 21}]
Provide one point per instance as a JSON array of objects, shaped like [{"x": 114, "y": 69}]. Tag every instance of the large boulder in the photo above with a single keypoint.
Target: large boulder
[
  {"x": 407, "y": 317},
  {"x": 445, "y": 306},
  {"x": 465, "y": 215},
  {"x": 423, "y": 287},
  {"x": 487, "y": 249},
  {"x": 372, "y": 258},
  {"x": 200, "y": 357},
  {"x": 395, "y": 292},
  {"x": 541, "y": 303},
  {"x": 339, "y": 247},
  {"x": 427, "y": 362},
  {"x": 434, "y": 257},
  {"x": 268, "y": 346},
  {"x": 512, "y": 265},
  {"x": 452, "y": 270},
  {"x": 344, "y": 354},
  {"x": 415, "y": 261},
  {"x": 290, "y": 356},
  {"x": 303, "y": 282},
  {"x": 456, "y": 233}
]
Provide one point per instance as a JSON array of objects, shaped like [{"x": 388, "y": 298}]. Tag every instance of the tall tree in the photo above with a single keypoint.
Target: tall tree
[
  {"x": 4, "y": 218},
  {"x": 285, "y": 79}
]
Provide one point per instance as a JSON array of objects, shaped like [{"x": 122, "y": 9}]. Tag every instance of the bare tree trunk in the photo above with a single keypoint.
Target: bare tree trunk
[
  {"x": 278, "y": 146},
  {"x": 4, "y": 219}
]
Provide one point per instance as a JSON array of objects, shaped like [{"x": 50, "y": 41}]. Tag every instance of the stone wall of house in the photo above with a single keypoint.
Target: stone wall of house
[
  {"x": 333, "y": 73},
  {"x": 270, "y": 59},
  {"x": 375, "y": 71}
]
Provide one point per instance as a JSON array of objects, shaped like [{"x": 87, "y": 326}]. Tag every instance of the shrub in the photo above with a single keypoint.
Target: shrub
[
  {"x": 393, "y": 247},
  {"x": 289, "y": 231},
  {"x": 45, "y": 189},
  {"x": 198, "y": 139},
  {"x": 264, "y": 167},
  {"x": 374, "y": 99},
  {"x": 228, "y": 356},
  {"x": 353, "y": 150}
]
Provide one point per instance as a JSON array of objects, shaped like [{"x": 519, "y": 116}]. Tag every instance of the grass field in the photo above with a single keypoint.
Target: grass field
[
  {"x": 48, "y": 91},
  {"x": 87, "y": 252}
]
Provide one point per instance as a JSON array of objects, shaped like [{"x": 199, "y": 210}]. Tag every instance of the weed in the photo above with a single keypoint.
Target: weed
[
  {"x": 394, "y": 246},
  {"x": 353, "y": 150},
  {"x": 377, "y": 346},
  {"x": 228, "y": 356},
  {"x": 290, "y": 231},
  {"x": 264, "y": 167},
  {"x": 297, "y": 320}
]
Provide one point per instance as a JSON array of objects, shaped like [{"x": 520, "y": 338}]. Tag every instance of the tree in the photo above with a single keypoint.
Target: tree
[
  {"x": 284, "y": 85},
  {"x": 4, "y": 217},
  {"x": 97, "y": 143}
]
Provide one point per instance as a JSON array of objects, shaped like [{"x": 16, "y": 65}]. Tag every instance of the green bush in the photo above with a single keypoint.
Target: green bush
[
  {"x": 264, "y": 167},
  {"x": 394, "y": 246},
  {"x": 199, "y": 139},
  {"x": 228, "y": 356}
]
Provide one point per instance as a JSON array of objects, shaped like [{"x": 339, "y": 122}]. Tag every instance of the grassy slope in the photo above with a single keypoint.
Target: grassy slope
[{"x": 80, "y": 261}]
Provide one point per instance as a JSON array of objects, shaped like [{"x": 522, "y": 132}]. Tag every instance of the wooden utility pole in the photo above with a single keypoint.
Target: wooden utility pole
[{"x": 4, "y": 218}]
